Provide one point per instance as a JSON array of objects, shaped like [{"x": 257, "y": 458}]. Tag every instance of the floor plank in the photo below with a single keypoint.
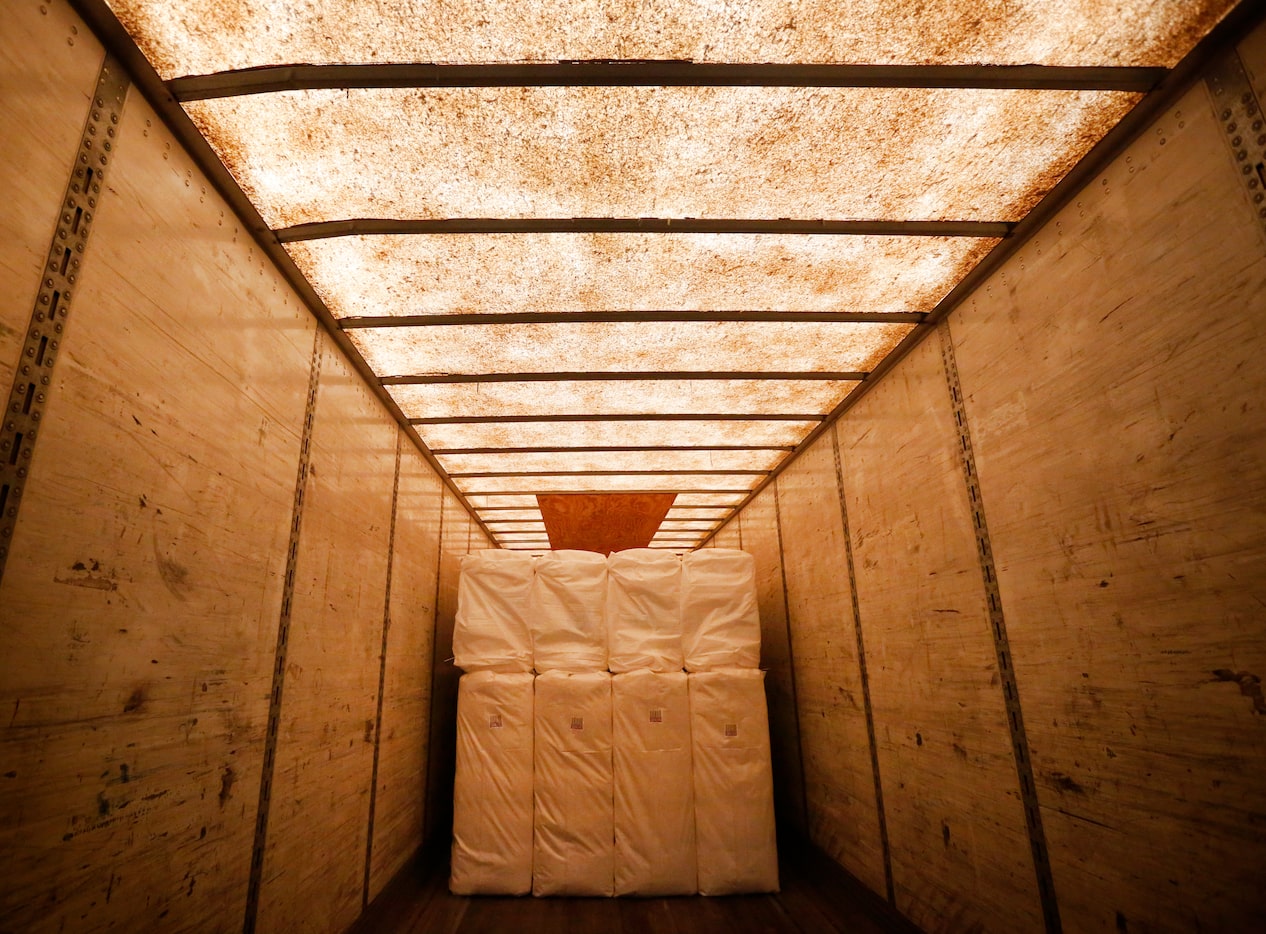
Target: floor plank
[{"x": 817, "y": 897}]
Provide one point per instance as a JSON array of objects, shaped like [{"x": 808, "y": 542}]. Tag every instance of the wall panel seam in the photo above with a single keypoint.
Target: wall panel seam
[
  {"x": 862, "y": 672},
  {"x": 283, "y": 640},
  {"x": 40, "y": 348},
  {"x": 791, "y": 661},
  {"x": 1002, "y": 649},
  {"x": 382, "y": 674}
]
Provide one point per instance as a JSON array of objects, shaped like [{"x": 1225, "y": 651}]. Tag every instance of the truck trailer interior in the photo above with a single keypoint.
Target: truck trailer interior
[{"x": 952, "y": 315}]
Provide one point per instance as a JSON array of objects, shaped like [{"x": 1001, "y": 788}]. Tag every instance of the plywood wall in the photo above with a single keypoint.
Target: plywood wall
[
  {"x": 1121, "y": 444},
  {"x": 142, "y": 599},
  {"x": 1113, "y": 382}
]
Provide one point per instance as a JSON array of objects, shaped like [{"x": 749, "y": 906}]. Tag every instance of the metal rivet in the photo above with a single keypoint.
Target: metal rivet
[
  {"x": 1232, "y": 126},
  {"x": 1226, "y": 114},
  {"x": 1237, "y": 140},
  {"x": 43, "y": 299}
]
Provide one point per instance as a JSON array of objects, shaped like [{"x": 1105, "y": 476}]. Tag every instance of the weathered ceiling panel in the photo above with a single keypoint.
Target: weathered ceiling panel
[
  {"x": 452, "y": 273},
  {"x": 613, "y": 433},
  {"x": 728, "y": 152},
  {"x": 684, "y": 459},
  {"x": 624, "y": 397},
  {"x": 248, "y": 33},
  {"x": 622, "y": 347}
]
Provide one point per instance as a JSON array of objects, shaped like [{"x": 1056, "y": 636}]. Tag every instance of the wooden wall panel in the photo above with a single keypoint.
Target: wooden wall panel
[
  {"x": 1115, "y": 387},
  {"x": 320, "y": 792},
  {"x": 141, "y": 600},
  {"x": 48, "y": 70},
  {"x": 455, "y": 540},
  {"x": 842, "y": 816},
  {"x": 758, "y": 534},
  {"x": 959, "y": 848},
  {"x": 728, "y": 536},
  {"x": 404, "y": 733}
]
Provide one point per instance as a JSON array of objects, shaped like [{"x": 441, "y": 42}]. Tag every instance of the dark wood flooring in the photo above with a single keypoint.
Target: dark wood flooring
[{"x": 817, "y": 897}]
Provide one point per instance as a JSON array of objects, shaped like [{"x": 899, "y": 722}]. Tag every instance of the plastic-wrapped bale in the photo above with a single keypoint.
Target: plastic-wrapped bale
[
  {"x": 720, "y": 624},
  {"x": 490, "y": 632},
  {"x": 644, "y": 610},
  {"x": 654, "y": 787},
  {"x": 574, "y": 850},
  {"x": 567, "y": 615},
  {"x": 492, "y": 790},
  {"x": 734, "y": 790}
]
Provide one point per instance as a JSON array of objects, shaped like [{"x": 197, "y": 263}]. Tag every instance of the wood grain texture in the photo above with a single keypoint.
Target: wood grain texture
[
  {"x": 48, "y": 70},
  {"x": 839, "y": 781},
  {"x": 141, "y": 600},
  {"x": 457, "y": 531},
  {"x": 758, "y": 534},
  {"x": 603, "y": 522},
  {"x": 320, "y": 792},
  {"x": 404, "y": 733},
  {"x": 959, "y": 847},
  {"x": 1121, "y": 447}
]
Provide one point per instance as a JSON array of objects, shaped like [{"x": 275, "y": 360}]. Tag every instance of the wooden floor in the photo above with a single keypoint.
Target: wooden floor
[{"x": 816, "y": 898}]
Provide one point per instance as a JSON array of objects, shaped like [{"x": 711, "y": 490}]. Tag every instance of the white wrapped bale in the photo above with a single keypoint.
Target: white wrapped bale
[
  {"x": 492, "y": 790},
  {"x": 720, "y": 624},
  {"x": 567, "y": 614},
  {"x": 490, "y": 632},
  {"x": 644, "y": 610},
  {"x": 654, "y": 787},
  {"x": 734, "y": 790},
  {"x": 574, "y": 851}
]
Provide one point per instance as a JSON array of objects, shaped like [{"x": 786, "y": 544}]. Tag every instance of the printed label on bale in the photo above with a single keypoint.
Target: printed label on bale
[
  {"x": 577, "y": 723},
  {"x": 494, "y": 721},
  {"x": 731, "y": 729},
  {"x": 657, "y": 715}
]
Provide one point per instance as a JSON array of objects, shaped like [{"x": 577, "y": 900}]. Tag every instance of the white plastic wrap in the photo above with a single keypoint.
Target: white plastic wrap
[
  {"x": 734, "y": 789},
  {"x": 491, "y": 629},
  {"x": 568, "y": 611},
  {"x": 492, "y": 791},
  {"x": 574, "y": 851},
  {"x": 644, "y": 610},
  {"x": 654, "y": 787},
  {"x": 720, "y": 625}
]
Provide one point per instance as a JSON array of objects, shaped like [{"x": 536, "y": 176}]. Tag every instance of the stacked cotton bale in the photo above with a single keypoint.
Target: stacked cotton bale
[
  {"x": 654, "y": 790},
  {"x": 492, "y": 788},
  {"x": 733, "y": 782},
  {"x": 612, "y": 771}
]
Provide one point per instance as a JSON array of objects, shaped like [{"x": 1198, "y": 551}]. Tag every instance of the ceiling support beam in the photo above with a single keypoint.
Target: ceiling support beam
[
  {"x": 617, "y": 317},
  {"x": 639, "y": 417},
  {"x": 641, "y": 73},
  {"x": 622, "y": 376},
  {"x": 371, "y": 226},
  {"x": 614, "y": 448},
  {"x": 608, "y": 473}
]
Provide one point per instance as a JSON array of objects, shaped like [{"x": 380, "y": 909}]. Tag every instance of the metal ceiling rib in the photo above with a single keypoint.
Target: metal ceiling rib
[
  {"x": 274, "y": 78},
  {"x": 805, "y": 191}
]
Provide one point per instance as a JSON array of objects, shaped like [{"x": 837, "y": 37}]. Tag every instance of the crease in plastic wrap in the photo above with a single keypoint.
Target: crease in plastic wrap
[
  {"x": 654, "y": 790},
  {"x": 720, "y": 622},
  {"x": 492, "y": 790},
  {"x": 733, "y": 784},
  {"x": 644, "y": 610},
  {"x": 567, "y": 616},
  {"x": 490, "y": 631},
  {"x": 574, "y": 839}
]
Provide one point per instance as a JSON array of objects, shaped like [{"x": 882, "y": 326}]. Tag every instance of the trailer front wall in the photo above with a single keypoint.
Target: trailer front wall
[
  {"x": 1112, "y": 382},
  {"x": 140, "y": 607}
]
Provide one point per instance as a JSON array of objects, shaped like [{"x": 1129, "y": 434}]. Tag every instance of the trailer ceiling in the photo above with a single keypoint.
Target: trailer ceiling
[{"x": 645, "y": 247}]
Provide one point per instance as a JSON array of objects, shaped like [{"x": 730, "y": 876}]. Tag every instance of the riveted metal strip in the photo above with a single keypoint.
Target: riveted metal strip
[
  {"x": 1002, "y": 648},
  {"x": 382, "y": 675},
  {"x": 283, "y": 642},
  {"x": 861, "y": 665},
  {"x": 33, "y": 375},
  {"x": 1240, "y": 114}
]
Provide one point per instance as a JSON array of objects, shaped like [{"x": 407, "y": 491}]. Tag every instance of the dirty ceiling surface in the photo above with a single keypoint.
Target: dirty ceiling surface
[{"x": 644, "y": 248}]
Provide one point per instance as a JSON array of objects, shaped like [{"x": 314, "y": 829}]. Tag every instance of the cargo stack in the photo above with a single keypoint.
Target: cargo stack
[{"x": 641, "y": 778}]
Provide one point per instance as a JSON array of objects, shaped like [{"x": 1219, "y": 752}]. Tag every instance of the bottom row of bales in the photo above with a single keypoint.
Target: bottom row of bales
[{"x": 588, "y": 783}]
